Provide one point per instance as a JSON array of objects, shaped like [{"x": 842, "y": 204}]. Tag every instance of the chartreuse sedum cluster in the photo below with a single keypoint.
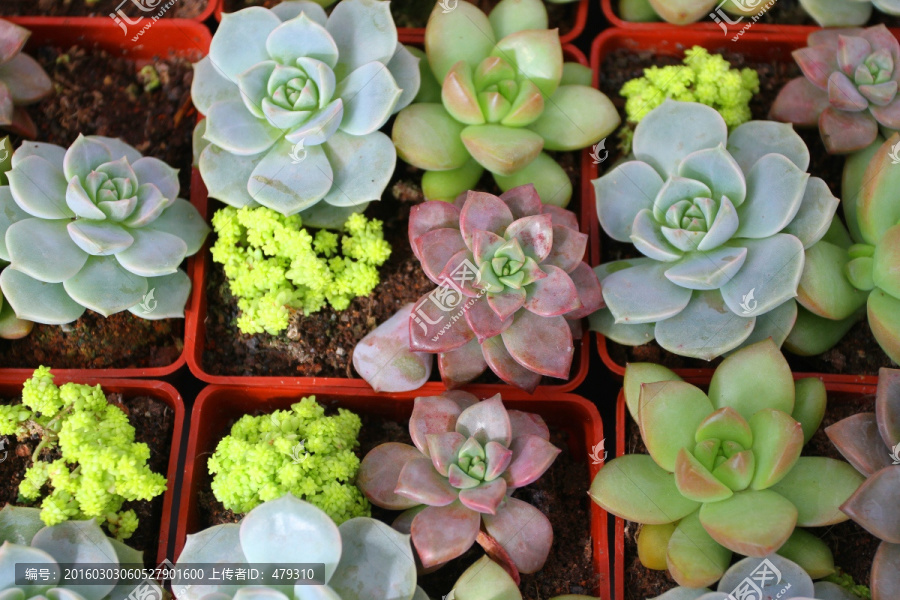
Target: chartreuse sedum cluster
[
  {"x": 506, "y": 97},
  {"x": 100, "y": 465},
  {"x": 274, "y": 266},
  {"x": 724, "y": 222},
  {"x": 724, "y": 472},
  {"x": 294, "y": 100},
  {"x": 363, "y": 558},
  {"x": 299, "y": 451},
  {"x": 95, "y": 226}
]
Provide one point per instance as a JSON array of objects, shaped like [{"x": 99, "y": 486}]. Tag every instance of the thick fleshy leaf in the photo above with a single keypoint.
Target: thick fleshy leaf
[
  {"x": 43, "y": 249},
  {"x": 442, "y": 533},
  {"x": 650, "y": 241},
  {"x": 370, "y": 95},
  {"x": 523, "y": 531},
  {"x": 549, "y": 179},
  {"x": 751, "y": 141},
  {"x": 888, "y": 116},
  {"x": 483, "y": 212},
  {"x": 818, "y": 486},
  {"x": 436, "y": 248},
  {"x": 576, "y": 117},
  {"x": 444, "y": 448},
  {"x": 695, "y": 482},
  {"x": 152, "y": 170},
  {"x": 669, "y": 413},
  {"x": 824, "y": 288},
  {"x": 240, "y": 41},
  {"x": 815, "y": 213},
  {"x": 226, "y": 175},
  {"x": 484, "y": 321},
  {"x": 39, "y": 188},
  {"x": 14, "y": 553},
  {"x": 553, "y": 295},
  {"x": 885, "y": 576},
  {"x": 622, "y": 193},
  {"x": 589, "y": 292},
  {"x": 166, "y": 298},
  {"x": 289, "y": 188},
  {"x": 636, "y": 375},
  {"x": 532, "y": 456},
  {"x": 429, "y": 216},
  {"x": 432, "y": 415},
  {"x": 84, "y": 156},
  {"x": 231, "y": 126},
  {"x": 817, "y": 62},
  {"x": 78, "y": 542},
  {"x": 433, "y": 328},
  {"x": 361, "y": 165},
  {"x": 379, "y": 472},
  {"x": 364, "y": 32},
  {"x": 535, "y": 234},
  {"x": 737, "y": 471},
  {"x": 461, "y": 34},
  {"x": 568, "y": 248},
  {"x": 810, "y": 399},
  {"x": 885, "y": 274},
  {"x": 777, "y": 443},
  {"x": 810, "y": 553},
  {"x": 419, "y": 481},
  {"x": 887, "y": 409},
  {"x": 506, "y": 367},
  {"x": 537, "y": 54},
  {"x": 427, "y": 137},
  {"x": 375, "y": 559},
  {"x": 540, "y": 344},
  {"x": 845, "y": 132},
  {"x": 484, "y": 498},
  {"x": 199, "y": 547},
  {"x": 725, "y": 424},
  {"x": 858, "y": 440},
  {"x": 736, "y": 383},
  {"x": 872, "y": 505},
  {"x": 693, "y": 557},
  {"x": 14, "y": 38},
  {"x": 459, "y": 95},
  {"x": 716, "y": 168},
  {"x": 301, "y": 37},
  {"x": 675, "y": 130},
  {"x": 642, "y": 294},
  {"x": 752, "y": 523},
  {"x": 799, "y": 102},
  {"x": 775, "y": 191},
  {"x": 771, "y": 274},
  {"x": 34, "y": 300},
  {"x": 884, "y": 321},
  {"x": 182, "y": 219},
  {"x": 844, "y": 95},
  {"x": 404, "y": 67},
  {"x": 153, "y": 253},
  {"x": 486, "y": 421},
  {"x": 501, "y": 150},
  {"x": 498, "y": 458},
  {"x": 705, "y": 329},
  {"x": 524, "y": 201},
  {"x": 320, "y": 127},
  {"x": 384, "y": 359},
  {"x": 26, "y": 79},
  {"x": 210, "y": 85},
  {"x": 104, "y": 286},
  {"x": 707, "y": 270},
  {"x": 18, "y": 524}
]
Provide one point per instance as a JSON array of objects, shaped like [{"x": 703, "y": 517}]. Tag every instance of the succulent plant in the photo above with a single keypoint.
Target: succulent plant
[
  {"x": 837, "y": 13},
  {"x": 25, "y": 539},
  {"x": 96, "y": 226},
  {"x": 363, "y": 558},
  {"x": 723, "y": 222},
  {"x": 871, "y": 442},
  {"x": 11, "y": 327},
  {"x": 294, "y": 100},
  {"x": 513, "y": 268},
  {"x": 22, "y": 81},
  {"x": 852, "y": 274},
  {"x": 505, "y": 98},
  {"x": 848, "y": 87},
  {"x": 469, "y": 457},
  {"x": 725, "y": 468}
]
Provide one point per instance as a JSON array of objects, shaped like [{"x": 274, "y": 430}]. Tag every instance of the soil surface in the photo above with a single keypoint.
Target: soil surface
[
  {"x": 853, "y": 547},
  {"x": 153, "y": 422},
  {"x": 133, "y": 9},
  {"x": 414, "y": 13},
  {"x": 99, "y": 94},
  {"x": 857, "y": 352},
  {"x": 322, "y": 343},
  {"x": 559, "y": 494}
]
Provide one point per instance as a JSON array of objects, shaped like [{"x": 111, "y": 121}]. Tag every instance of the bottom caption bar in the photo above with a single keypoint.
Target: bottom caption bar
[{"x": 183, "y": 574}]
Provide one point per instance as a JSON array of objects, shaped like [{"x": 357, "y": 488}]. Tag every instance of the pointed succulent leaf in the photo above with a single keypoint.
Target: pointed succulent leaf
[
  {"x": 887, "y": 409},
  {"x": 375, "y": 559},
  {"x": 751, "y": 141},
  {"x": 875, "y": 211},
  {"x": 693, "y": 557},
  {"x": 18, "y": 524},
  {"x": 568, "y": 250},
  {"x": 542, "y": 345},
  {"x": 885, "y": 261},
  {"x": 737, "y": 471},
  {"x": 486, "y": 421},
  {"x": 483, "y": 212},
  {"x": 844, "y": 132},
  {"x": 426, "y": 136},
  {"x": 39, "y": 188},
  {"x": 590, "y": 294},
  {"x": 720, "y": 171},
  {"x": 419, "y": 481},
  {"x": 459, "y": 95},
  {"x": 501, "y": 150},
  {"x": 443, "y": 448},
  {"x": 884, "y": 321},
  {"x": 824, "y": 288},
  {"x": 817, "y": 486},
  {"x": 576, "y": 117},
  {"x": 104, "y": 286},
  {"x": 885, "y": 576},
  {"x": 485, "y": 497},
  {"x": 636, "y": 375},
  {"x": 809, "y": 552},
  {"x": 43, "y": 249},
  {"x": 815, "y": 214},
  {"x": 642, "y": 294},
  {"x": 379, "y": 472},
  {"x": 775, "y": 191},
  {"x": 772, "y": 270},
  {"x": 799, "y": 102},
  {"x": 707, "y": 270},
  {"x": 725, "y": 424},
  {"x": 172, "y": 292},
  {"x": 705, "y": 329},
  {"x": 871, "y": 506},
  {"x": 675, "y": 130},
  {"x": 695, "y": 482},
  {"x": 34, "y": 300},
  {"x": 523, "y": 531},
  {"x": 532, "y": 455},
  {"x": 461, "y": 34},
  {"x": 537, "y": 54},
  {"x": 669, "y": 414},
  {"x": 506, "y": 367},
  {"x": 498, "y": 458},
  {"x": 777, "y": 442},
  {"x": 752, "y": 522},
  {"x": 351, "y": 23},
  {"x": 731, "y": 382},
  {"x": 553, "y": 295},
  {"x": 858, "y": 440},
  {"x": 623, "y": 193},
  {"x": 485, "y": 579},
  {"x": 442, "y": 533}
]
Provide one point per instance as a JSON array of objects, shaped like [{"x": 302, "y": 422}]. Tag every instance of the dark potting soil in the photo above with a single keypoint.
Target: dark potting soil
[
  {"x": 559, "y": 494},
  {"x": 101, "y": 94},
  {"x": 153, "y": 422},
  {"x": 415, "y": 13},
  {"x": 133, "y": 9},
  {"x": 853, "y": 547},
  {"x": 321, "y": 344},
  {"x": 857, "y": 352}
]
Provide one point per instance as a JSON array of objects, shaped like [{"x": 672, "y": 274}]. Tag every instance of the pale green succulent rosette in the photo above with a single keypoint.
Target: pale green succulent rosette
[
  {"x": 293, "y": 102},
  {"x": 97, "y": 226},
  {"x": 723, "y": 223}
]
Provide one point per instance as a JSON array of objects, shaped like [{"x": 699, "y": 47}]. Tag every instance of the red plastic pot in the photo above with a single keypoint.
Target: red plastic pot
[
  {"x": 218, "y": 407},
  {"x": 840, "y": 392},
  {"x": 195, "y": 326},
  {"x": 166, "y": 38},
  {"x": 671, "y": 41},
  {"x": 11, "y": 387},
  {"x": 410, "y": 35},
  {"x": 212, "y": 7},
  {"x": 704, "y": 25}
]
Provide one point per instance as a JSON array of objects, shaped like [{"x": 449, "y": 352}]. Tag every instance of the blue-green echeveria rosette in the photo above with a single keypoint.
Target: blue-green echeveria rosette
[
  {"x": 722, "y": 222},
  {"x": 293, "y": 102},
  {"x": 95, "y": 226}
]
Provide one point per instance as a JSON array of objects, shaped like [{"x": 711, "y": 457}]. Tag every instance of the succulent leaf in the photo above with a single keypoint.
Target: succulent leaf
[
  {"x": 693, "y": 557},
  {"x": 817, "y": 486},
  {"x": 752, "y": 523},
  {"x": 669, "y": 413},
  {"x": 867, "y": 505}
]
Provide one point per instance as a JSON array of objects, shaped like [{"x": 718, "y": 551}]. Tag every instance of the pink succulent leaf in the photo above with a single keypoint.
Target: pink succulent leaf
[
  {"x": 830, "y": 37},
  {"x": 885, "y": 577},
  {"x": 889, "y": 115},
  {"x": 459, "y": 479},
  {"x": 576, "y": 326},
  {"x": 483, "y": 212},
  {"x": 443, "y": 448},
  {"x": 800, "y": 103},
  {"x": 887, "y": 406},
  {"x": 506, "y": 367},
  {"x": 858, "y": 440},
  {"x": 384, "y": 360},
  {"x": 461, "y": 259},
  {"x": 880, "y": 94},
  {"x": 484, "y": 245},
  {"x": 540, "y": 344},
  {"x": 523, "y": 531},
  {"x": 462, "y": 398},
  {"x": 433, "y": 329},
  {"x": 420, "y": 482},
  {"x": 524, "y": 423},
  {"x": 523, "y": 201},
  {"x": 432, "y": 415},
  {"x": 460, "y": 200},
  {"x": 553, "y": 295},
  {"x": 12, "y": 40},
  {"x": 403, "y": 522},
  {"x": 843, "y": 95},
  {"x": 459, "y": 367},
  {"x": 535, "y": 234},
  {"x": 532, "y": 456},
  {"x": 851, "y": 51},
  {"x": 561, "y": 217},
  {"x": 486, "y": 497},
  {"x": 436, "y": 248},
  {"x": 379, "y": 472},
  {"x": 874, "y": 505},
  {"x": 589, "y": 292},
  {"x": 845, "y": 132},
  {"x": 430, "y": 216},
  {"x": 880, "y": 37},
  {"x": 507, "y": 303},
  {"x": 484, "y": 321},
  {"x": 568, "y": 250},
  {"x": 486, "y": 421},
  {"x": 817, "y": 64},
  {"x": 442, "y": 533},
  {"x": 497, "y": 458}
]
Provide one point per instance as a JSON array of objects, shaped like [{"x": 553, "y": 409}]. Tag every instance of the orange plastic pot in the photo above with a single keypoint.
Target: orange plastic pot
[
  {"x": 212, "y": 7},
  {"x": 672, "y": 41},
  {"x": 11, "y": 387},
  {"x": 218, "y": 407},
  {"x": 840, "y": 392},
  {"x": 195, "y": 326}
]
